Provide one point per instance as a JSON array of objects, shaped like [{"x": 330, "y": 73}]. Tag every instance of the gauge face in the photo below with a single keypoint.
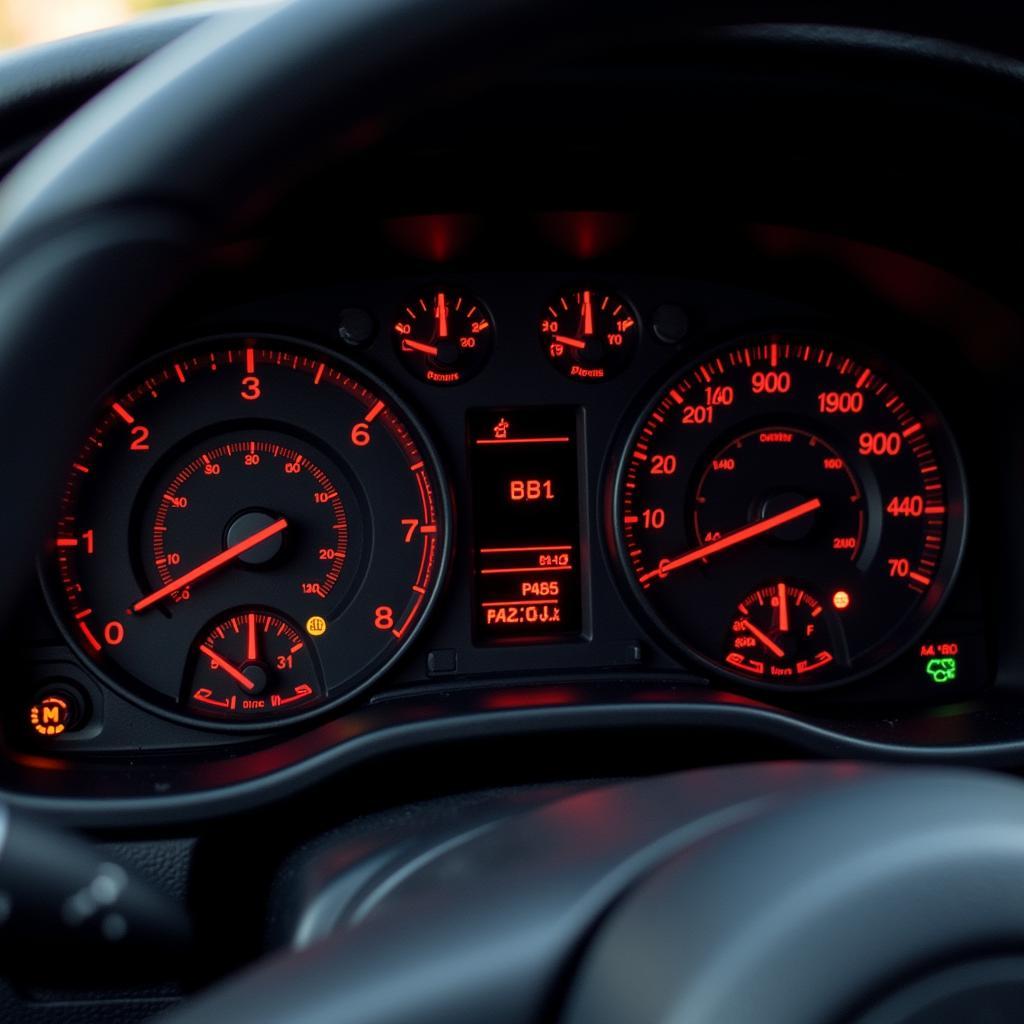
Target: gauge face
[
  {"x": 589, "y": 334},
  {"x": 789, "y": 515},
  {"x": 251, "y": 530},
  {"x": 444, "y": 337}
]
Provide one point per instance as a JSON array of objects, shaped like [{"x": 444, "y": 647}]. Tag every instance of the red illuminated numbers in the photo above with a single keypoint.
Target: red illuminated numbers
[
  {"x": 653, "y": 518},
  {"x": 899, "y": 567},
  {"x": 293, "y": 467},
  {"x": 531, "y": 490},
  {"x": 719, "y": 395},
  {"x": 360, "y": 435},
  {"x": 211, "y": 469},
  {"x": 113, "y": 633},
  {"x": 252, "y": 459},
  {"x": 664, "y": 465},
  {"x": 839, "y": 402},
  {"x": 771, "y": 382},
  {"x": 879, "y": 444},
  {"x": 250, "y": 388},
  {"x": 698, "y": 414},
  {"x": 912, "y": 506},
  {"x": 140, "y": 439},
  {"x": 410, "y": 529},
  {"x": 384, "y": 617}
]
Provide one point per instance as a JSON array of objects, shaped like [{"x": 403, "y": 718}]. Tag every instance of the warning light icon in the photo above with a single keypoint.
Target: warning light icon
[
  {"x": 50, "y": 716},
  {"x": 316, "y": 625}
]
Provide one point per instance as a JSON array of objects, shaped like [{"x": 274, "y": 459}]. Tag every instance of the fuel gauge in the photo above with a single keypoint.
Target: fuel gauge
[
  {"x": 444, "y": 337},
  {"x": 253, "y": 664}
]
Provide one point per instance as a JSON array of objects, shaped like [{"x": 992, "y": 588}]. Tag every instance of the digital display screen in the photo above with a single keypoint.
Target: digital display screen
[{"x": 524, "y": 473}]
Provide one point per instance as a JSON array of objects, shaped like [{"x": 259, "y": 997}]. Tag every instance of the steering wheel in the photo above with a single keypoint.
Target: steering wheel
[{"x": 792, "y": 894}]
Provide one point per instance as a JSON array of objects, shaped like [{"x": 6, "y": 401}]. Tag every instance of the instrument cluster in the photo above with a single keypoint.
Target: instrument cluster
[{"x": 339, "y": 494}]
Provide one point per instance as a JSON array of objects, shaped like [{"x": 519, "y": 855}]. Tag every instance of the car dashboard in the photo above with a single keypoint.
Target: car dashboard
[
  {"x": 325, "y": 505},
  {"x": 660, "y": 464}
]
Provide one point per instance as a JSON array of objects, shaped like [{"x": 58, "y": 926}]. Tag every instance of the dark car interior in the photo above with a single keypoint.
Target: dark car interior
[{"x": 514, "y": 515}]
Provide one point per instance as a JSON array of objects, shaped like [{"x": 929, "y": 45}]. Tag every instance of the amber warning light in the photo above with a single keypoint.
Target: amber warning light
[{"x": 524, "y": 467}]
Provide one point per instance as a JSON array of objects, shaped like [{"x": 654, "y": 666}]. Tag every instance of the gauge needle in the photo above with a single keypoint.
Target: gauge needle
[
  {"x": 251, "y": 652},
  {"x": 734, "y": 538},
  {"x": 588, "y": 314},
  {"x": 571, "y": 342},
  {"x": 763, "y": 637},
  {"x": 227, "y": 555},
  {"x": 408, "y": 345},
  {"x": 218, "y": 662},
  {"x": 442, "y": 316},
  {"x": 783, "y": 609}
]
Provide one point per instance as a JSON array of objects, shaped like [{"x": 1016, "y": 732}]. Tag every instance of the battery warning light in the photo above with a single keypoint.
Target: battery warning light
[{"x": 50, "y": 716}]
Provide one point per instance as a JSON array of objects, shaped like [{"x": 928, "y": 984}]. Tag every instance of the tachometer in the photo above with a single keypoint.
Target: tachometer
[
  {"x": 789, "y": 514},
  {"x": 252, "y": 529}
]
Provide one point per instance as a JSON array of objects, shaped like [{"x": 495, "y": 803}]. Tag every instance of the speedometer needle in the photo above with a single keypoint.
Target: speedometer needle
[
  {"x": 227, "y": 555},
  {"x": 218, "y": 662},
  {"x": 734, "y": 538}
]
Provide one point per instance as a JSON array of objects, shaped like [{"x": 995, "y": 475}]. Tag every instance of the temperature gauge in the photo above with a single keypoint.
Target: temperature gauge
[
  {"x": 589, "y": 334},
  {"x": 444, "y": 337}
]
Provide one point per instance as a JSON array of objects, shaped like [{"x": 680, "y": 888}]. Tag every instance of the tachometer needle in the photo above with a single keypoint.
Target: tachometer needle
[
  {"x": 763, "y": 637},
  {"x": 571, "y": 342},
  {"x": 218, "y": 662},
  {"x": 734, "y": 538},
  {"x": 211, "y": 564},
  {"x": 408, "y": 345}
]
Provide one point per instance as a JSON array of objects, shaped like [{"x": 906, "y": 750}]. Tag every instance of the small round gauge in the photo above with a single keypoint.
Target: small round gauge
[
  {"x": 444, "y": 337},
  {"x": 252, "y": 530},
  {"x": 777, "y": 632},
  {"x": 589, "y": 334},
  {"x": 789, "y": 515},
  {"x": 251, "y": 662}
]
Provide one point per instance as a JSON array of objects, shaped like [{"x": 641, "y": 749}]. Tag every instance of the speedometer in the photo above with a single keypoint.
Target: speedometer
[
  {"x": 253, "y": 529},
  {"x": 788, "y": 514}
]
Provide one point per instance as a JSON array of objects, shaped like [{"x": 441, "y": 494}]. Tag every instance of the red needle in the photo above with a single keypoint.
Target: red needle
[
  {"x": 734, "y": 538},
  {"x": 251, "y": 652},
  {"x": 588, "y": 314},
  {"x": 571, "y": 342},
  {"x": 227, "y": 555},
  {"x": 442, "y": 316},
  {"x": 418, "y": 346},
  {"x": 763, "y": 637},
  {"x": 783, "y": 609},
  {"x": 218, "y": 662}
]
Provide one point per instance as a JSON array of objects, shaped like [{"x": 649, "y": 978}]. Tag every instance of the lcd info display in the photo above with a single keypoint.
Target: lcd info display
[{"x": 524, "y": 473}]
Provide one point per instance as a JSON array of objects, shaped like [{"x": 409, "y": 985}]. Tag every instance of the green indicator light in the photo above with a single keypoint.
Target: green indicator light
[{"x": 941, "y": 670}]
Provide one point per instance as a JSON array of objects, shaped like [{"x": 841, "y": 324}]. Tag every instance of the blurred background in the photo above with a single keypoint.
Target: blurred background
[{"x": 23, "y": 22}]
